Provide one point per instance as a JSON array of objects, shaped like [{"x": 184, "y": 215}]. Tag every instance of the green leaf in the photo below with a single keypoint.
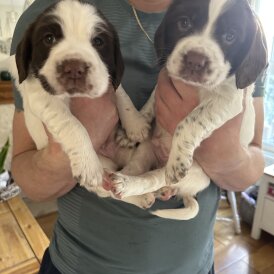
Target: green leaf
[{"x": 3, "y": 155}]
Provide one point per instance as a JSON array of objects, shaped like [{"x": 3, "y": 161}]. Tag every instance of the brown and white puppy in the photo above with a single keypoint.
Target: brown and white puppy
[
  {"x": 69, "y": 50},
  {"x": 218, "y": 46}
]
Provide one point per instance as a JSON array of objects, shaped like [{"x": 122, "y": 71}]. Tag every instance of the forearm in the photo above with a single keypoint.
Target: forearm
[
  {"x": 229, "y": 164},
  {"x": 39, "y": 180},
  {"x": 239, "y": 174},
  {"x": 46, "y": 174}
]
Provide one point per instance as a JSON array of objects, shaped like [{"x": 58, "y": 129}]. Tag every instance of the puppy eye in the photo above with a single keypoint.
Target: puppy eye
[
  {"x": 49, "y": 39},
  {"x": 230, "y": 36},
  {"x": 97, "y": 42},
  {"x": 184, "y": 24}
]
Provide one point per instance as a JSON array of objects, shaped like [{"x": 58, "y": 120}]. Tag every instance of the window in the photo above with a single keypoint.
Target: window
[{"x": 264, "y": 9}]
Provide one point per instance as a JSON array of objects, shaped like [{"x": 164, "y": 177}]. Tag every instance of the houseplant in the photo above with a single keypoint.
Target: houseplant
[
  {"x": 3, "y": 155},
  {"x": 8, "y": 188}
]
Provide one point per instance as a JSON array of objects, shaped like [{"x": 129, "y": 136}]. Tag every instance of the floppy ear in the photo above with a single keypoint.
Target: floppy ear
[
  {"x": 118, "y": 71},
  {"x": 256, "y": 60},
  {"x": 23, "y": 55},
  {"x": 160, "y": 43}
]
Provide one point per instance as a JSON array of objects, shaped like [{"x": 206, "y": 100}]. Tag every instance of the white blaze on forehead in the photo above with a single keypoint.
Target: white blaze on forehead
[
  {"x": 79, "y": 23},
  {"x": 216, "y": 8},
  {"x": 78, "y": 20}
]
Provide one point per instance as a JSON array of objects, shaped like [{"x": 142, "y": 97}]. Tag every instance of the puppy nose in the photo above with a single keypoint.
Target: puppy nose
[
  {"x": 73, "y": 69},
  {"x": 195, "y": 61}
]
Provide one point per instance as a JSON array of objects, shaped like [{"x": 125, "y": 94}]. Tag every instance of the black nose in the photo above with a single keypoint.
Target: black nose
[
  {"x": 195, "y": 61},
  {"x": 72, "y": 74},
  {"x": 73, "y": 69}
]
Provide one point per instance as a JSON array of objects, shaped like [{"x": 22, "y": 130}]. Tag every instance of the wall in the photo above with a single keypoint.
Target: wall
[{"x": 6, "y": 30}]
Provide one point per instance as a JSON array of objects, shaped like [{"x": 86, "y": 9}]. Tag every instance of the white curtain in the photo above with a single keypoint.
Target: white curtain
[{"x": 27, "y": 3}]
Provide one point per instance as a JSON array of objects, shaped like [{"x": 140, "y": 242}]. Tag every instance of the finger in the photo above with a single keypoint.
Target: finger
[
  {"x": 166, "y": 87},
  {"x": 185, "y": 90},
  {"x": 167, "y": 98}
]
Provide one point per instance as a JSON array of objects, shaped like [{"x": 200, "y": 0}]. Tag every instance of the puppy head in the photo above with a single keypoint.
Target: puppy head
[
  {"x": 72, "y": 49},
  {"x": 203, "y": 42}
]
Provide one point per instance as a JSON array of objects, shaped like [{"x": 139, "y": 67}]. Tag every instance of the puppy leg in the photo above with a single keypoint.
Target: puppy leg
[
  {"x": 198, "y": 125},
  {"x": 148, "y": 111},
  {"x": 136, "y": 126},
  {"x": 188, "y": 187},
  {"x": 68, "y": 131},
  {"x": 125, "y": 185},
  {"x": 143, "y": 201}
]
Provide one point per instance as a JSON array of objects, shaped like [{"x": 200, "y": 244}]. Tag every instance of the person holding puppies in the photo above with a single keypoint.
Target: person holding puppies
[{"x": 94, "y": 235}]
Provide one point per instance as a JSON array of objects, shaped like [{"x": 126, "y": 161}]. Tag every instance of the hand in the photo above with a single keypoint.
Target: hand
[
  {"x": 54, "y": 160},
  {"x": 173, "y": 101},
  {"x": 98, "y": 116},
  {"x": 222, "y": 151},
  {"x": 46, "y": 174}
]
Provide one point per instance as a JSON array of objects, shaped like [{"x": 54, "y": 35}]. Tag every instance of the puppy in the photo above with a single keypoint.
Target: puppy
[
  {"x": 71, "y": 50},
  {"x": 219, "y": 47}
]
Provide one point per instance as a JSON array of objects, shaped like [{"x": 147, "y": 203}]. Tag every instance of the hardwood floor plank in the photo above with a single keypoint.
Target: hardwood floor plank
[
  {"x": 12, "y": 242},
  {"x": 262, "y": 259},
  {"x": 32, "y": 231},
  {"x": 28, "y": 267},
  {"x": 269, "y": 270},
  {"x": 239, "y": 267},
  {"x": 228, "y": 255},
  {"x": 47, "y": 223}
]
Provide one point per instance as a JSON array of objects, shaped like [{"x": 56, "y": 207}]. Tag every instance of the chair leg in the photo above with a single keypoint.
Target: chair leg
[{"x": 236, "y": 218}]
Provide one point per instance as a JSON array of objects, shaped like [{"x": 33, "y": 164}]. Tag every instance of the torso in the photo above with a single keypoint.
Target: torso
[{"x": 105, "y": 236}]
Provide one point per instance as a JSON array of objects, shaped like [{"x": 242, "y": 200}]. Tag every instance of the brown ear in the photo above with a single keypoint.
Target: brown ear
[
  {"x": 118, "y": 72},
  {"x": 256, "y": 60},
  {"x": 23, "y": 55},
  {"x": 160, "y": 43}
]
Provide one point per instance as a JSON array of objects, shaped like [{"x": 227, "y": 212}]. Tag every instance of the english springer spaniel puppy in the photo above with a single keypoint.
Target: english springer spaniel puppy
[
  {"x": 219, "y": 47},
  {"x": 71, "y": 50}
]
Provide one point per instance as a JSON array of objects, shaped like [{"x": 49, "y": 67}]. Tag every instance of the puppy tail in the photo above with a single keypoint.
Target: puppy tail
[{"x": 188, "y": 212}]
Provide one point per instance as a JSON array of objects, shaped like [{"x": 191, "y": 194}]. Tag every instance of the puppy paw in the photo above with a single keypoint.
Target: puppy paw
[
  {"x": 147, "y": 200},
  {"x": 120, "y": 185},
  {"x": 165, "y": 193},
  {"x": 176, "y": 169},
  {"x": 138, "y": 130},
  {"x": 123, "y": 140},
  {"x": 88, "y": 174}
]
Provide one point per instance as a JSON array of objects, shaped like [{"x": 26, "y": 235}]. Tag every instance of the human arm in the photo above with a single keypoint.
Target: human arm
[
  {"x": 232, "y": 169},
  {"x": 229, "y": 164},
  {"x": 46, "y": 174}
]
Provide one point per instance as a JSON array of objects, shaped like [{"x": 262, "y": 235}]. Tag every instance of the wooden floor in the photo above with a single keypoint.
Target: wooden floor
[
  {"x": 240, "y": 254},
  {"x": 234, "y": 254}
]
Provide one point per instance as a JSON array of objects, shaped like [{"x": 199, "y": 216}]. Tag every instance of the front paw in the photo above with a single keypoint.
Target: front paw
[
  {"x": 165, "y": 193},
  {"x": 147, "y": 200},
  {"x": 137, "y": 130},
  {"x": 120, "y": 185},
  {"x": 88, "y": 174},
  {"x": 176, "y": 169},
  {"x": 123, "y": 140}
]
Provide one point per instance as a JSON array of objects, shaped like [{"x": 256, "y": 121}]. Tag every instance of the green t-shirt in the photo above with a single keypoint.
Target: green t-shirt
[{"x": 106, "y": 236}]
